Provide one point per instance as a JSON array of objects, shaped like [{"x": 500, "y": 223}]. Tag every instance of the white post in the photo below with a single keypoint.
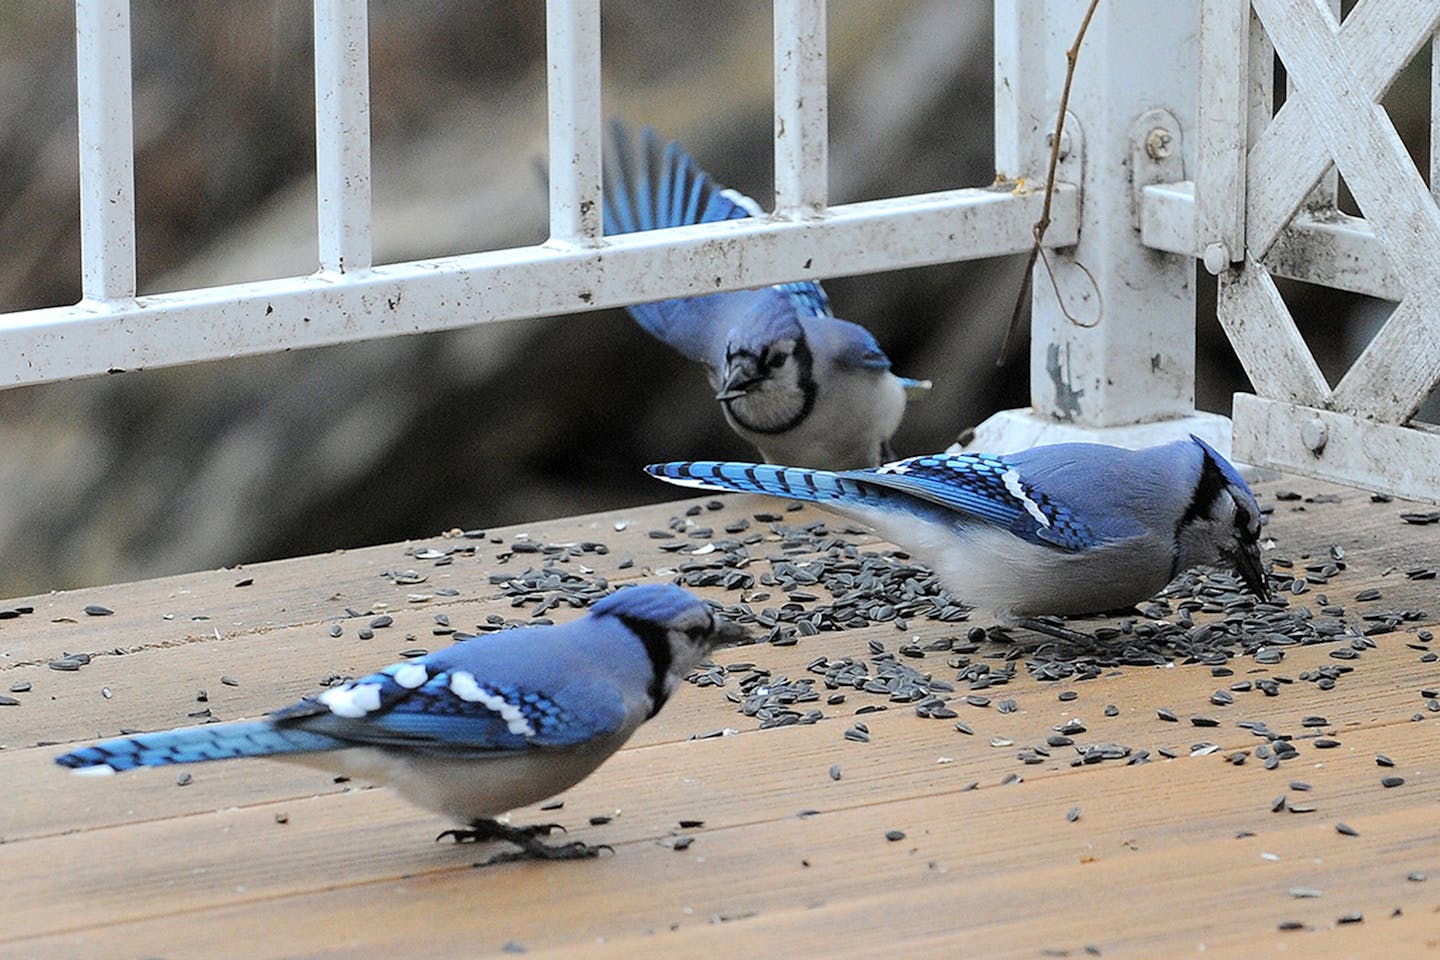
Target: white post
[
  {"x": 342, "y": 134},
  {"x": 572, "y": 31},
  {"x": 802, "y": 113},
  {"x": 1113, "y": 322},
  {"x": 107, "y": 149}
]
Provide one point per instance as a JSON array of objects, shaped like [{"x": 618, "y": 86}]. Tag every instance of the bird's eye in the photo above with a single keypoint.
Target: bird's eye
[{"x": 776, "y": 360}]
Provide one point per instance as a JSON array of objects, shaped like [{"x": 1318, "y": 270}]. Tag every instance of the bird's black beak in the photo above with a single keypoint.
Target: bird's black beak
[
  {"x": 740, "y": 379},
  {"x": 728, "y": 634},
  {"x": 1251, "y": 570}
]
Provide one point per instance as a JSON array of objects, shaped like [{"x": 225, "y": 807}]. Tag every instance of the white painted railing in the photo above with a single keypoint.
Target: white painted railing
[
  {"x": 1201, "y": 166},
  {"x": 348, "y": 298},
  {"x": 1172, "y": 165}
]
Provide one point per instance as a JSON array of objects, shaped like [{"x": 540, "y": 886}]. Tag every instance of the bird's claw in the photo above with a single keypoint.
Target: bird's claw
[{"x": 482, "y": 830}]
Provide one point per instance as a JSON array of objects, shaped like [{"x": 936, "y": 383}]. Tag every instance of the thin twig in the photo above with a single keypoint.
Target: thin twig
[{"x": 1043, "y": 224}]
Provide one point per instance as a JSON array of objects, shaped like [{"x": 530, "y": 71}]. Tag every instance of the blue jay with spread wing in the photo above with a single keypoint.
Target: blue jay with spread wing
[
  {"x": 484, "y": 726},
  {"x": 794, "y": 381},
  {"x": 1066, "y": 529}
]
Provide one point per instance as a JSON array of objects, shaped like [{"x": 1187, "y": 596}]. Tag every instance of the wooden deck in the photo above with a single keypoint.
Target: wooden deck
[{"x": 1175, "y": 857}]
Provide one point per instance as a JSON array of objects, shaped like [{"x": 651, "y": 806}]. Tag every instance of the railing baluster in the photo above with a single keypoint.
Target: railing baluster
[
  {"x": 572, "y": 31},
  {"x": 802, "y": 115},
  {"x": 107, "y": 149},
  {"x": 342, "y": 134}
]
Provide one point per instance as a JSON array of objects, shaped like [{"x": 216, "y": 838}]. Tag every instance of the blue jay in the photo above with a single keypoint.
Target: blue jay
[
  {"x": 1068, "y": 529},
  {"x": 792, "y": 380},
  {"x": 479, "y": 728}
]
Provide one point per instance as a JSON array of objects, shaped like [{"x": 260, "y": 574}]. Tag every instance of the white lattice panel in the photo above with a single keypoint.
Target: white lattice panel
[{"x": 1256, "y": 171}]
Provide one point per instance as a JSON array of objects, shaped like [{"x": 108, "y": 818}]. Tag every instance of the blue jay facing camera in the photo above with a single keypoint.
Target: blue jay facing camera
[
  {"x": 484, "y": 726},
  {"x": 1059, "y": 530},
  {"x": 797, "y": 383}
]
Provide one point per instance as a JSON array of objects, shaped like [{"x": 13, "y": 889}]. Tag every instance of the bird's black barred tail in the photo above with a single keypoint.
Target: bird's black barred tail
[
  {"x": 796, "y": 483},
  {"x": 216, "y": 741}
]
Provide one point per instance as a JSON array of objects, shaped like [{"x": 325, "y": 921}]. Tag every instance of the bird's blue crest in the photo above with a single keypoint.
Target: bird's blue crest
[
  {"x": 1227, "y": 469},
  {"x": 655, "y": 602},
  {"x": 768, "y": 316}
]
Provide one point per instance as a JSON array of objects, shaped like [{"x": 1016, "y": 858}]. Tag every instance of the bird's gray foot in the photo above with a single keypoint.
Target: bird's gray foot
[
  {"x": 1056, "y": 629},
  {"x": 526, "y": 838}
]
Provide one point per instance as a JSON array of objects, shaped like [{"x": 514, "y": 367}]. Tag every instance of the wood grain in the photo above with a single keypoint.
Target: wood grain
[{"x": 1164, "y": 858}]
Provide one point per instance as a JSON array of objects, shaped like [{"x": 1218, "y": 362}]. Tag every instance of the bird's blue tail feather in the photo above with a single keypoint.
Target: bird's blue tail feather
[
  {"x": 798, "y": 483},
  {"x": 216, "y": 741}
]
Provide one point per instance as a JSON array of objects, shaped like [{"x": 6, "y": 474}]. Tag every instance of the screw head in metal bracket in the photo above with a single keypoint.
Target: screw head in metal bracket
[
  {"x": 1064, "y": 142},
  {"x": 1159, "y": 143},
  {"x": 1216, "y": 258},
  {"x": 1314, "y": 434}
]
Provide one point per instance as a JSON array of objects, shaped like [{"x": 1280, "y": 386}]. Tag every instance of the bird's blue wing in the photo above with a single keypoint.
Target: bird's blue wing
[
  {"x": 431, "y": 704},
  {"x": 850, "y": 344},
  {"x": 987, "y": 487},
  {"x": 651, "y": 185},
  {"x": 809, "y": 298}
]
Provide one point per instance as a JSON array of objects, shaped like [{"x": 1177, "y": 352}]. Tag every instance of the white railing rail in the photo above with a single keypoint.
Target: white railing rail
[{"x": 349, "y": 299}]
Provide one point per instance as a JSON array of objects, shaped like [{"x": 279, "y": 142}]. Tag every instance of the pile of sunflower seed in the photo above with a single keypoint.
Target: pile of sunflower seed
[
  {"x": 1207, "y": 619},
  {"x": 1202, "y": 618}
]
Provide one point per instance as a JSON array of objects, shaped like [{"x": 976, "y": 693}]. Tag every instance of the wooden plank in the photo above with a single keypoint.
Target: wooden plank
[
  {"x": 138, "y": 860},
  {"x": 1122, "y": 857},
  {"x": 156, "y": 688},
  {"x": 1383, "y": 690},
  {"x": 289, "y": 649}
]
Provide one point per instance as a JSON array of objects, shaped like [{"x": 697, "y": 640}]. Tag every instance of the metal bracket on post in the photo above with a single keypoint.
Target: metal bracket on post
[{"x": 1156, "y": 156}]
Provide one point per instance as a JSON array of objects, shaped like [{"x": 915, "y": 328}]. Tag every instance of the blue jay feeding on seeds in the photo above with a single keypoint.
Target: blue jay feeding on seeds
[
  {"x": 1072, "y": 528},
  {"x": 481, "y": 727},
  {"x": 800, "y": 385}
]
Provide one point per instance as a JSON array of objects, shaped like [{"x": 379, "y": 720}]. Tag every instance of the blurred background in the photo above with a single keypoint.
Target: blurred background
[{"x": 157, "y": 472}]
